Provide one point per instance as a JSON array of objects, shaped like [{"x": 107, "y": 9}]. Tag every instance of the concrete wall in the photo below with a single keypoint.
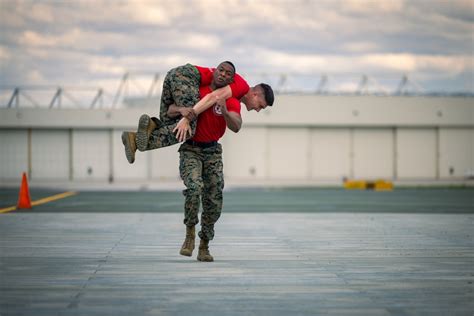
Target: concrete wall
[{"x": 302, "y": 138}]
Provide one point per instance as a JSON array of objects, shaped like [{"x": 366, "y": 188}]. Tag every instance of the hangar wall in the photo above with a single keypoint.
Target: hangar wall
[{"x": 301, "y": 138}]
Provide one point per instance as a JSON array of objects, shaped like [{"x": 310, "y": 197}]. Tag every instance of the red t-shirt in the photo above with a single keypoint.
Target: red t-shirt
[
  {"x": 239, "y": 87},
  {"x": 211, "y": 124}
]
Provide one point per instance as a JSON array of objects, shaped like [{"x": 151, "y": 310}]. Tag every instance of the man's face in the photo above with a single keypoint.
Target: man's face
[
  {"x": 223, "y": 75},
  {"x": 256, "y": 101}
]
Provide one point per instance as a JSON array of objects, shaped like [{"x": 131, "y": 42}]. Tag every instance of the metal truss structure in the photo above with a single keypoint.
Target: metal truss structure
[{"x": 130, "y": 89}]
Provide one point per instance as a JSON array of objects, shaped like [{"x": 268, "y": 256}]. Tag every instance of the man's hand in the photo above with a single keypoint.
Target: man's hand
[
  {"x": 188, "y": 113},
  {"x": 182, "y": 129},
  {"x": 222, "y": 105},
  {"x": 232, "y": 119}
]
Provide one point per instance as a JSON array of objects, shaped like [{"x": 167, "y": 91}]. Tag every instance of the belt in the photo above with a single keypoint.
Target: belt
[{"x": 201, "y": 144}]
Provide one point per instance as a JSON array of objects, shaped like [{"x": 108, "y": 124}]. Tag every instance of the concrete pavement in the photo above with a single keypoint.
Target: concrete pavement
[{"x": 267, "y": 263}]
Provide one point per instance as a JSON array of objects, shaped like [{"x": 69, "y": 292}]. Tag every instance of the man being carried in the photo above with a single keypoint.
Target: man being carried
[{"x": 181, "y": 91}]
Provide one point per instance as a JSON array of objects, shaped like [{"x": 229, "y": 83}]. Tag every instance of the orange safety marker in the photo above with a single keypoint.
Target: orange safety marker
[{"x": 24, "y": 199}]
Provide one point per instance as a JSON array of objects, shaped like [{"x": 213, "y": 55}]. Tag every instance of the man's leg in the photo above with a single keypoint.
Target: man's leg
[
  {"x": 213, "y": 179},
  {"x": 181, "y": 87},
  {"x": 190, "y": 169},
  {"x": 164, "y": 136}
]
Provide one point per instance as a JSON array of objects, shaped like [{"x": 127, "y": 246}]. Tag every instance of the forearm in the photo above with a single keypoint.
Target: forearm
[
  {"x": 210, "y": 99},
  {"x": 173, "y": 111},
  {"x": 233, "y": 121}
]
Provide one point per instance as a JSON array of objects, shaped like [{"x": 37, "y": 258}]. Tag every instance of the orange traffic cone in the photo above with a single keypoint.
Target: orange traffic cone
[{"x": 24, "y": 200}]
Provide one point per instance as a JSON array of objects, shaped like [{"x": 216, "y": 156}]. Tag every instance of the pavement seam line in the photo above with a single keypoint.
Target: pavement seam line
[
  {"x": 76, "y": 299},
  {"x": 41, "y": 201}
]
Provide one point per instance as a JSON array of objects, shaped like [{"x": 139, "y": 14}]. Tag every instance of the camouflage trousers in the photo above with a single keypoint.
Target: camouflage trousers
[
  {"x": 202, "y": 172},
  {"x": 180, "y": 87}
]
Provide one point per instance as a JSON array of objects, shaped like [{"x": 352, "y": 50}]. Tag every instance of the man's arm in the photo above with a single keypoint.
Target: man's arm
[
  {"x": 210, "y": 99},
  {"x": 232, "y": 119},
  {"x": 175, "y": 111},
  {"x": 219, "y": 94},
  {"x": 182, "y": 129}
]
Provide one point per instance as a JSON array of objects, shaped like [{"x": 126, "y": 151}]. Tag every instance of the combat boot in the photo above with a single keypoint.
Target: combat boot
[
  {"x": 128, "y": 140},
  {"x": 188, "y": 244},
  {"x": 145, "y": 126},
  {"x": 204, "y": 254}
]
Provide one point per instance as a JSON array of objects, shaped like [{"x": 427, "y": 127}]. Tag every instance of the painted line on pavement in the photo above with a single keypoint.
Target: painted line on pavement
[
  {"x": 41, "y": 201},
  {"x": 7, "y": 209}
]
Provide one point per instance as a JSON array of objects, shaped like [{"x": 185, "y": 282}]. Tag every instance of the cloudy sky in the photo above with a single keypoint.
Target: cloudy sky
[{"x": 90, "y": 42}]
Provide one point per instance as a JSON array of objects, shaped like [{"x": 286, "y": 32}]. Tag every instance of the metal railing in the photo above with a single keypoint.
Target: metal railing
[
  {"x": 130, "y": 88},
  {"x": 57, "y": 96}
]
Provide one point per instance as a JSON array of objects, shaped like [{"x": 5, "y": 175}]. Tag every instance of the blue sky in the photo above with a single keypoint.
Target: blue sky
[{"x": 95, "y": 42}]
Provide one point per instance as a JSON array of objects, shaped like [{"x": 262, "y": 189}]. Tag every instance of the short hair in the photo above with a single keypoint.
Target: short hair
[
  {"x": 228, "y": 62},
  {"x": 268, "y": 92}
]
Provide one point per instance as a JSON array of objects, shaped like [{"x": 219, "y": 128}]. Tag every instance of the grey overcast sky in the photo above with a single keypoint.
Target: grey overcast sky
[{"x": 95, "y": 42}]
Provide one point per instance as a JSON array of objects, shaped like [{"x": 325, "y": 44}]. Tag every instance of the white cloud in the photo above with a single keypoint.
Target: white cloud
[
  {"x": 412, "y": 63},
  {"x": 32, "y": 38},
  {"x": 366, "y": 63},
  {"x": 9, "y": 19},
  {"x": 42, "y": 13},
  {"x": 199, "y": 41},
  {"x": 73, "y": 40},
  {"x": 396, "y": 62},
  {"x": 150, "y": 12},
  {"x": 360, "y": 47},
  {"x": 35, "y": 76},
  {"x": 4, "y": 53},
  {"x": 98, "y": 67},
  {"x": 79, "y": 39},
  {"x": 373, "y": 6},
  {"x": 145, "y": 12}
]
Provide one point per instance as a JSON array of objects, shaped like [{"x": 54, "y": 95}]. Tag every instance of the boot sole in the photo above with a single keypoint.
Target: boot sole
[
  {"x": 142, "y": 135},
  {"x": 205, "y": 260},
  {"x": 186, "y": 254},
  {"x": 128, "y": 152}
]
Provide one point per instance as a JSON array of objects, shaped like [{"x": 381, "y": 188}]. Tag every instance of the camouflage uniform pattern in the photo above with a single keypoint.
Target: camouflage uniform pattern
[
  {"x": 163, "y": 136},
  {"x": 180, "y": 87},
  {"x": 202, "y": 172}
]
